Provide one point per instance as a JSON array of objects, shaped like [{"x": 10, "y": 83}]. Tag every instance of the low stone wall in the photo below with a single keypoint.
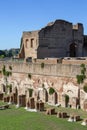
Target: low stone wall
[{"x": 59, "y": 70}]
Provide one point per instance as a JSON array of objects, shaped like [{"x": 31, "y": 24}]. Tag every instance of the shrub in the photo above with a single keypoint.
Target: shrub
[
  {"x": 42, "y": 65},
  {"x": 9, "y": 86},
  {"x": 29, "y": 76},
  {"x": 6, "y": 73},
  {"x": 3, "y": 69},
  {"x": 82, "y": 65},
  {"x": 85, "y": 88},
  {"x": 80, "y": 78},
  {"x": 51, "y": 91},
  {"x": 10, "y": 67},
  {"x": 66, "y": 99},
  {"x": 30, "y": 92}
]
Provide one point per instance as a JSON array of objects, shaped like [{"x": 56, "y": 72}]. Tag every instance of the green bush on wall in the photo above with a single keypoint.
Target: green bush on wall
[
  {"x": 10, "y": 67},
  {"x": 29, "y": 76},
  {"x": 51, "y": 91},
  {"x": 30, "y": 92},
  {"x": 82, "y": 76},
  {"x": 66, "y": 98},
  {"x": 5, "y": 72},
  {"x": 42, "y": 65},
  {"x": 85, "y": 88}
]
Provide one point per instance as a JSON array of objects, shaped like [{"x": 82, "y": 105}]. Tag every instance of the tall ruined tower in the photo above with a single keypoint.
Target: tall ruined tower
[{"x": 29, "y": 44}]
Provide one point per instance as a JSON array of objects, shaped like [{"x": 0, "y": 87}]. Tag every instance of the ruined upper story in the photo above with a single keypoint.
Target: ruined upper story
[
  {"x": 29, "y": 44},
  {"x": 58, "y": 39}
]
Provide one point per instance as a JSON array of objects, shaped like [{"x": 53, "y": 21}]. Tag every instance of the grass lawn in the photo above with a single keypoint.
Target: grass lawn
[{"x": 20, "y": 119}]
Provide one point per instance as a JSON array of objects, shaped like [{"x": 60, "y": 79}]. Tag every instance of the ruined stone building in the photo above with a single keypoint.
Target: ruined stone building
[
  {"x": 31, "y": 76},
  {"x": 57, "y": 39}
]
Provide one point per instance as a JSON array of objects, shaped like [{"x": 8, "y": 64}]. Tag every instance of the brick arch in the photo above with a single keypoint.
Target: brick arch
[{"x": 53, "y": 98}]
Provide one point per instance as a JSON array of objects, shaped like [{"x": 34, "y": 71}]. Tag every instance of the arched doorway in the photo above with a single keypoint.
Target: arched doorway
[
  {"x": 4, "y": 88},
  {"x": 16, "y": 90},
  {"x": 15, "y": 95},
  {"x": 73, "y": 49},
  {"x": 46, "y": 96},
  {"x": 55, "y": 98}
]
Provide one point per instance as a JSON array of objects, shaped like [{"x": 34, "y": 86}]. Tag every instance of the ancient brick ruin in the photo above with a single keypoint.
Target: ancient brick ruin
[
  {"x": 49, "y": 75},
  {"x": 60, "y": 77},
  {"x": 58, "y": 39}
]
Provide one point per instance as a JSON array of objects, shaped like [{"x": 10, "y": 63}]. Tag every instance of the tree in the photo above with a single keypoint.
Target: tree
[{"x": 2, "y": 54}]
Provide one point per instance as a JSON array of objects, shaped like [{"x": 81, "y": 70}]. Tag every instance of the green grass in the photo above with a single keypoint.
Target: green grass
[
  {"x": 2, "y": 103},
  {"x": 20, "y": 119}
]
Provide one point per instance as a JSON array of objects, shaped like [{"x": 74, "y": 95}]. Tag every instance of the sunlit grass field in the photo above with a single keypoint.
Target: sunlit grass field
[{"x": 20, "y": 119}]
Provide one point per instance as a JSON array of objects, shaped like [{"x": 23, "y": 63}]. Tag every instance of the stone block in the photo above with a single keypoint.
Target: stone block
[
  {"x": 11, "y": 99},
  {"x": 50, "y": 111},
  {"x": 1, "y": 96},
  {"x": 64, "y": 115},
  {"x": 84, "y": 122},
  {"x": 76, "y": 118},
  {"x": 39, "y": 106},
  {"x": 22, "y": 100},
  {"x": 15, "y": 98},
  {"x": 59, "y": 115},
  {"x": 6, "y": 98},
  {"x": 31, "y": 103}
]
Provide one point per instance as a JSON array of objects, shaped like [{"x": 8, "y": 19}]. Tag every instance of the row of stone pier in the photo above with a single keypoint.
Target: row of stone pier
[{"x": 22, "y": 101}]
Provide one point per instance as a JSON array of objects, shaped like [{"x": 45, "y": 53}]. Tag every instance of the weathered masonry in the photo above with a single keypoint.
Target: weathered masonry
[
  {"x": 58, "y": 39},
  {"x": 50, "y": 83}
]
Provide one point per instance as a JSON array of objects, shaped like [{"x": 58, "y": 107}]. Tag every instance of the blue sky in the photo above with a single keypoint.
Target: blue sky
[{"x": 17, "y": 16}]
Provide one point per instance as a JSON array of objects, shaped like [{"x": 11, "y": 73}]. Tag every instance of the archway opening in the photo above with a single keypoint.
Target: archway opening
[
  {"x": 46, "y": 96},
  {"x": 55, "y": 98},
  {"x": 73, "y": 49},
  {"x": 4, "y": 88}
]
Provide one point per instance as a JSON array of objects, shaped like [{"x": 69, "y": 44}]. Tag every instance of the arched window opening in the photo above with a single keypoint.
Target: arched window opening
[
  {"x": 26, "y": 43},
  {"x": 32, "y": 42}
]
